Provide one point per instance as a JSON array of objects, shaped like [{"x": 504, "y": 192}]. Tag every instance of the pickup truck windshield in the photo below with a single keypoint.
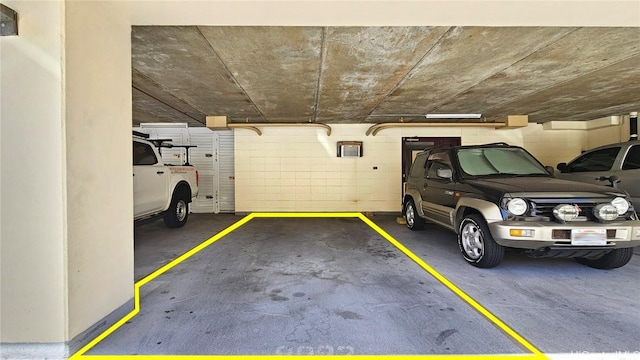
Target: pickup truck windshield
[{"x": 499, "y": 161}]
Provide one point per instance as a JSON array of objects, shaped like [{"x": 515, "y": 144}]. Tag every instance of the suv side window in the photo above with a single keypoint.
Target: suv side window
[
  {"x": 143, "y": 154},
  {"x": 632, "y": 160},
  {"x": 417, "y": 169},
  {"x": 437, "y": 160},
  {"x": 601, "y": 160}
]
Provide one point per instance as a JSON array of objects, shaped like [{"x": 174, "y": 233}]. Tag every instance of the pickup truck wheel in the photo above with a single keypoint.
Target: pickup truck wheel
[
  {"x": 477, "y": 244},
  {"x": 611, "y": 260},
  {"x": 413, "y": 220},
  {"x": 178, "y": 212}
]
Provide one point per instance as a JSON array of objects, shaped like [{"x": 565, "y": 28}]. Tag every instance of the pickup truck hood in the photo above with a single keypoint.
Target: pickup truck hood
[{"x": 531, "y": 185}]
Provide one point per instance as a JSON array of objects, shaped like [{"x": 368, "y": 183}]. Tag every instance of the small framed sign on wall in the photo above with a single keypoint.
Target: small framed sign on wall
[{"x": 349, "y": 148}]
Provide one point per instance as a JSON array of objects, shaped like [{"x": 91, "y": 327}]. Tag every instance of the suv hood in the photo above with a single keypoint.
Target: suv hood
[{"x": 534, "y": 184}]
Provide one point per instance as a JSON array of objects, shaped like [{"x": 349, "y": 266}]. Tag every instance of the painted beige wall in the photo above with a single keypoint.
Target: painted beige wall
[
  {"x": 67, "y": 231},
  {"x": 553, "y": 146},
  {"x": 98, "y": 148},
  {"x": 33, "y": 286},
  {"x": 390, "y": 12},
  {"x": 609, "y": 135}
]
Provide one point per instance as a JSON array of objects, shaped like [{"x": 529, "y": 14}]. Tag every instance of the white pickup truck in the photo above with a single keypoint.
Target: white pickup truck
[{"x": 159, "y": 189}]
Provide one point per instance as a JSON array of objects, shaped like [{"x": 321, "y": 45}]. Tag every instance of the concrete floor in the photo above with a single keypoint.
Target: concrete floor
[{"x": 335, "y": 286}]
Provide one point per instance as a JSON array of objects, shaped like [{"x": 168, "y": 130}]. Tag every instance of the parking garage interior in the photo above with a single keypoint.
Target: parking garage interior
[{"x": 73, "y": 87}]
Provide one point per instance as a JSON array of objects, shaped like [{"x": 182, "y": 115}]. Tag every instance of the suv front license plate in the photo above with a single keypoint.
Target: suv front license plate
[{"x": 586, "y": 237}]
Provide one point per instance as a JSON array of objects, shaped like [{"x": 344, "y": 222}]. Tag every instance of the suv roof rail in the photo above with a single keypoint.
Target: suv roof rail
[{"x": 497, "y": 143}]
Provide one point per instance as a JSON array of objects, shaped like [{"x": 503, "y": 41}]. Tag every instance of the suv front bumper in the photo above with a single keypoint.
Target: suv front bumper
[{"x": 620, "y": 234}]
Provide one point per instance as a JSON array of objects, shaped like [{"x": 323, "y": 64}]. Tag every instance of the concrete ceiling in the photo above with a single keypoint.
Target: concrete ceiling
[{"x": 381, "y": 74}]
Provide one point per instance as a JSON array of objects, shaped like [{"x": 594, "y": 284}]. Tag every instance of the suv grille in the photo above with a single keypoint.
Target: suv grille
[{"x": 544, "y": 208}]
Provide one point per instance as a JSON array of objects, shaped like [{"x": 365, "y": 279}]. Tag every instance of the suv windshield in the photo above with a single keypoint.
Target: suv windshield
[{"x": 499, "y": 161}]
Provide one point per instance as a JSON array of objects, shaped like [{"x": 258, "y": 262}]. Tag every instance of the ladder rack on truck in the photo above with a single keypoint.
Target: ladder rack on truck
[{"x": 165, "y": 143}]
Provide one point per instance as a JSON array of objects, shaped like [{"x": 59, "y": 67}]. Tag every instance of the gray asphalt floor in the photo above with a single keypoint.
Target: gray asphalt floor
[{"x": 336, "y": 286}]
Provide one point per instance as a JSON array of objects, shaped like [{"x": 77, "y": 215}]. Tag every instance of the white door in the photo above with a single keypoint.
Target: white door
[
  {"x": 203, "y": 158},
  {"x": 226, "y": 172}
]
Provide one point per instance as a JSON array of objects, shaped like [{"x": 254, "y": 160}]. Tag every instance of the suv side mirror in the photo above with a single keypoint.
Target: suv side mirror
[
  {"x": 444, "y": 173},
  {"x": 562, "y": 167}
]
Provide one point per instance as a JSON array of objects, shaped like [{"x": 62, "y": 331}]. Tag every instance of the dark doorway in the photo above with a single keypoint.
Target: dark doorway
[{"x": 413, "y": 145}]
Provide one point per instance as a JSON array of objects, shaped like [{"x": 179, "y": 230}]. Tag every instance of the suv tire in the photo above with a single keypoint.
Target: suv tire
[
  {"x": 611, "y": 260},
  {"x": 477, "y": 244},
  {"x": 413, "y": 219},
  {"x": 178, "y": 212}
]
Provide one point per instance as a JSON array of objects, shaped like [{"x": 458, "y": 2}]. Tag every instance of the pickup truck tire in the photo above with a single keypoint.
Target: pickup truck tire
[
  {"x": 413, "y": 220},
  {"x": 178, "y": 211},
  {"x": 477, "y": 244},
  {"x": 611, "y": 260}
]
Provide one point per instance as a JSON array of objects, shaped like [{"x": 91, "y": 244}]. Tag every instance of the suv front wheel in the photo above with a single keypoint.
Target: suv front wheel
[
  {"x": 477, "y": 244},
  {"x": 414, "y": 221}
]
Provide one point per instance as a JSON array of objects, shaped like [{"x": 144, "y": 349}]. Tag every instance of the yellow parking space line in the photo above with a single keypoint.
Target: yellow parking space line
[
  {"x": 195, "y": 250},
  {"x": 319, "y": 357},
  {"x": 306, "y": 215},
  {"x": 535, "y": 353},
  {"x": 155, "y": 274},
  {"x": 456, "y": 290}
]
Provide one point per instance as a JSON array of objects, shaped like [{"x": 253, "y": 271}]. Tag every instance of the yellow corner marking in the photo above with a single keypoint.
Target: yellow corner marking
[
  {"x": 536, "y": 354},
  {"x": 155, "y": 274}
]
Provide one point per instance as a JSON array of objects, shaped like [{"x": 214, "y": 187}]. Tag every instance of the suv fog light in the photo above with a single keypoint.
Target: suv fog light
[
  {"x": 517, "y": 206},
  {"x": 522, "y": 232},
  {"x": 621, "y": 204},
  {"x": 565, "y": 212},
  {"x": 605, "y": 212}
]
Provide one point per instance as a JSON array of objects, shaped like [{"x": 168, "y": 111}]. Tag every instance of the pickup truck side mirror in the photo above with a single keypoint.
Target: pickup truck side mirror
[
  {"x": 562, "y": 167},
  {"x": 444, "y": 173}
]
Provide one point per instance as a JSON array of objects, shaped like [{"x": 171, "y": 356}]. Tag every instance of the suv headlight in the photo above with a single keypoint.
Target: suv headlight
[
  {"x": 621, "y": 205},
  {"x": 517, "y": 206}
]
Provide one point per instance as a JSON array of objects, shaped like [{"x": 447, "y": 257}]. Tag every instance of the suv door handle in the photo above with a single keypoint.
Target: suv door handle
[{"x": 159, "y": 172}]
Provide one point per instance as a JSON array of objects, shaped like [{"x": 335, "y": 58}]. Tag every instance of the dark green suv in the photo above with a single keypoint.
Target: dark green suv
[{"x": 497, "y": 196}]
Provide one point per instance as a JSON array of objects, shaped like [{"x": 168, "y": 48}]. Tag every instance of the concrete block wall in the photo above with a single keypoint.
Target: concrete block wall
[
  {"x": 553, "y": 146},
  {"x": 296, "y": 168}
]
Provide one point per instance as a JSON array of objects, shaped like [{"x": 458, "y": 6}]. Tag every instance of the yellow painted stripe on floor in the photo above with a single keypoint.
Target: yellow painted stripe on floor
[
  {"x": 456, "y": 290},
  {"x": 155, "y": 274},
  {"x": 536, "y": 354},
  {"x": 318, "y": 357}
]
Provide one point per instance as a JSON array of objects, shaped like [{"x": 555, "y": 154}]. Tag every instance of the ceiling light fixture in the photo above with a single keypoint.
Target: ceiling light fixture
[{"x": 453, "y": 116}]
